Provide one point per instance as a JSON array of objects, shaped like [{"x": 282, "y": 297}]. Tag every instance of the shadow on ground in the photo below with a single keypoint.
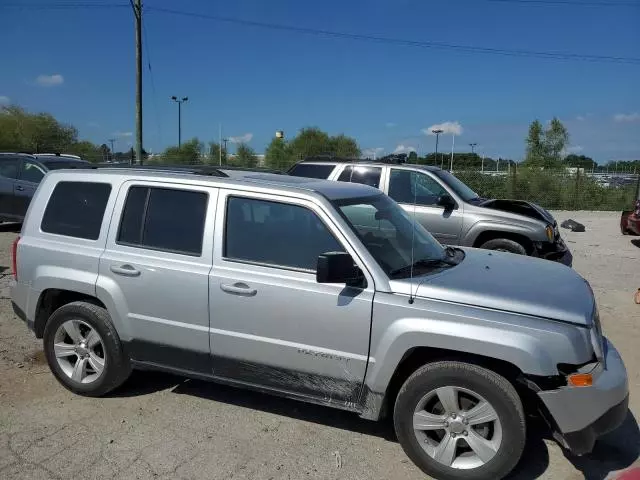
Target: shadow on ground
[{"x": 636, "y": 242}]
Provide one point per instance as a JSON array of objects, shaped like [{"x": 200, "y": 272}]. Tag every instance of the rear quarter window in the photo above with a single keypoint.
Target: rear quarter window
[{"x": 76, "y": 209}]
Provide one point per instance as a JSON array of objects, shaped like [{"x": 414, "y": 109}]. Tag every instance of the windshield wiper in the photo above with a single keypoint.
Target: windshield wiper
[{"x": 424, "y": 263}]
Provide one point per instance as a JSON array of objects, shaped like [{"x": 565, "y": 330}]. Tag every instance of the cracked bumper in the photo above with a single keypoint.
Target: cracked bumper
[
  {"x": 556, "y": 252},
  {"x": 582, "y": 414}
]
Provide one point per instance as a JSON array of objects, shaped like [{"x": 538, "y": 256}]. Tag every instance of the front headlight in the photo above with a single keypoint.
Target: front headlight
[
  {"x": 549, "y": 231},
  {"x": 597, "y": 339}
]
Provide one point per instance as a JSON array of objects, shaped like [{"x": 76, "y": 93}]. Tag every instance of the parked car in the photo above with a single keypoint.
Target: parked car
[
  {"x": 452, "y": 212},
  {"x": 319, "y": 291},
  {"x": 20, "y": 175}
]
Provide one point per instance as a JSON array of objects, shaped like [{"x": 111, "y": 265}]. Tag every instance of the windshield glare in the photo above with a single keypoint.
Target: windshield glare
[
  {"x": 386, "y": 231},
  {"x": 461, "y": 189}
]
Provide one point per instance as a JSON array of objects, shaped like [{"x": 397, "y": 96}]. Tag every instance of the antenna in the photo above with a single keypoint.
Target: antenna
[{"x": 413, "y": 235}]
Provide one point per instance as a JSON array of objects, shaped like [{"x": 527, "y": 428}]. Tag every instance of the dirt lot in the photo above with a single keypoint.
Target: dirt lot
[{"x": 162, "y": 427}]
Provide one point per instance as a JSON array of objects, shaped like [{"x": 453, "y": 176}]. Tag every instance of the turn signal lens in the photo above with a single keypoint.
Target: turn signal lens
[{"x": 580, "y": 380}]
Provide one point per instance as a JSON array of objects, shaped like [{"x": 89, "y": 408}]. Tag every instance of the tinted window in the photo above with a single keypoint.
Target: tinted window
[
  {"x": 458, "y": 186},
  {"x": 406, "y": 186},
  {"x": 164, "y": 219},
  {"x": 275, "y": 233},
  {"x": 365, "y": 175},
  {"x": 9, "y": 167},
  {"x": 58, "y": 164},
  {"x": 76, "y": 209},
  {"x": 31, "y": 172},
  {"x": 311, "y": 171}
]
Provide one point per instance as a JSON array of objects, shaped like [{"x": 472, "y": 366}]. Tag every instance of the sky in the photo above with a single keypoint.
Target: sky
[{"x": 76, "y": 60}]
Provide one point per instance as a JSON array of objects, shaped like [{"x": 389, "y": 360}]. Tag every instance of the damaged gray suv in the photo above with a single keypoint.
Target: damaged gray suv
[{"x": 319, "y": 291}]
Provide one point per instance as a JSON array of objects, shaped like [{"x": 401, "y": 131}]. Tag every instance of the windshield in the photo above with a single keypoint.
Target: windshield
[
  {"x": 385, "y": 229},
  {"x": 464, "y": 192}
]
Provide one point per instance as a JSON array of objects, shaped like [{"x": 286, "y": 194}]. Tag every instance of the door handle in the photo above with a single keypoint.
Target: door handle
[
  {"x": 238, "y": 288},
  {"x": 20, "y": 188},
  {"x": 126, "y": 270}
]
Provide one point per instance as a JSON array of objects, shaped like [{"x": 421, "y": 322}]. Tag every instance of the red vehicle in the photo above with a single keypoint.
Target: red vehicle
[{"x": 630, "y": 220}]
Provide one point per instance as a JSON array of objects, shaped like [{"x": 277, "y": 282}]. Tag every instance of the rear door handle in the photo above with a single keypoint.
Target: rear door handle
[
  {"x": 238, "y": 288},
  {"x": 20, "y": 188},
  {"x": 126, "y": 270}
]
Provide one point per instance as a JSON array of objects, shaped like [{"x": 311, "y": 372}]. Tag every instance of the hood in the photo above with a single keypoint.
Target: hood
[
  {"x": 508, "y": 282},
  {"x": 520, "y": 207}
]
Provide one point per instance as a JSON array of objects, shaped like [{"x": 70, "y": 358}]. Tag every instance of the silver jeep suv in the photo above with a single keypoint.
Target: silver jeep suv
[
  {"x": 450, "y": 210},
  {"x": 320, "y": 291}
]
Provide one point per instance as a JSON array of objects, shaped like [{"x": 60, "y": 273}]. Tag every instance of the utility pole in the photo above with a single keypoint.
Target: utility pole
[
  {"x": 453, "y": 145},
  {"x": 111, "y": 140},
  {"x": 473, "y": 147},
  {"x": 179, "y": 102},
  {"x": 220, "y": 142},
  {"x": 225, "y": 146},
  {"x": 137, "y": 11},
  {"x": 437, "y": 133}
]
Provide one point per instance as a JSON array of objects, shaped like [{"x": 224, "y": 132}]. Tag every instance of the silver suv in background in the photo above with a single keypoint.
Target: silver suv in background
[
  {"x": 320, "y": 291},
  {"x": 452, "y": 212}
]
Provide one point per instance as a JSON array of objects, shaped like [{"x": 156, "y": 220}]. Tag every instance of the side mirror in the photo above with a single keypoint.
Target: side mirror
[
  {"x": 337, "y": 267},
  {"x": 447, "y": 202}
]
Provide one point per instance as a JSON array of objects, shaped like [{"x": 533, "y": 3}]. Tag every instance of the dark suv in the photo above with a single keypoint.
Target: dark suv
[{"x": 20, "y": 175}]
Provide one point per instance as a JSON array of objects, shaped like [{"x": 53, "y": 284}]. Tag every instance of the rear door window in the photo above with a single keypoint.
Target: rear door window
[
  {"x": 311, "y": 170},
  {"x": 166, "y": 219},
  {"x": 365, "y": 175},
  {"x": 76, "y": 209},
  {"x": 31, "y": 172}
]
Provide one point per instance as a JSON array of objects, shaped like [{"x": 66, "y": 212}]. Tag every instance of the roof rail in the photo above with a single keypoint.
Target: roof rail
[{"x": 193, "y": 169}]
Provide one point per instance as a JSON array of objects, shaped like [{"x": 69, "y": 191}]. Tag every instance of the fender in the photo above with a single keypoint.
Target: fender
[
  {"x": 533, "y": 345},
  {"x": 532, "y": 230}
]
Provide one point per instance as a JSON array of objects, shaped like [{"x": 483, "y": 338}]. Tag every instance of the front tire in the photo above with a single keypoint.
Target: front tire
[
  {"x": 83, "y": 349},
  {"x": 458, "y": 421},
  {"x": 505, "y": 245}
]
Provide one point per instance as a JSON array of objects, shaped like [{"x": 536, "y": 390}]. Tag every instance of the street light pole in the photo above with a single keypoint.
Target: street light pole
[
  {"x": 179, "y": 102},
  {"x": 437, "y": 133},
  {"x": 473, "y": 147}
]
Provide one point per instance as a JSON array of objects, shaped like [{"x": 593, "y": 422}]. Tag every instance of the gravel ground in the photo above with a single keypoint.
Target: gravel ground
[{"x": 163, "y": 427}]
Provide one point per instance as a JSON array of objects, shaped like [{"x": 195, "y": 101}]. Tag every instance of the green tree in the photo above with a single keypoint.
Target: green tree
[
  {"x": 278, "y": 155},
  {"x": 188, "y": 153},
  {"x": 214, "y": 157},
  {"x": 579, "y": 161},
  {"x": 536, "y": 154},
  {"x": 38, "y": 133},
  {"x": 343, "y": 146},
  {"x": 310, "y": 142},
  {"x": 86, "y": 150},
  {"x": 413, "y": 157},
  {"x": 556, "y": 140},
  {"x": 245, "y": 156}
]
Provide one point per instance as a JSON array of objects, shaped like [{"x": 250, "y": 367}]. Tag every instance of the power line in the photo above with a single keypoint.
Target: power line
[
  {"x": 575, "y": 3},
  {"x": 405, "y": 42},
  {"x": 61, "y": 6}
]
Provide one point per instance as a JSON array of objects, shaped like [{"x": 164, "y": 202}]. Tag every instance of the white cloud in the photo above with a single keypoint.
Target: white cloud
[
  {"x": 581, "y": 118},
  {"x": 447, "y": 127},
  {"x": 123, "y": 134},
  {"x": 627, "y": 117},
  {"x": 4, "y": 100},
  {"x": 390, "y": 124},
  {"x": 372, "y": 152},
  {"x": 242, "y": 138},
  {"x": 50, "y": 80},
  {"x": 404, "y": 149}
]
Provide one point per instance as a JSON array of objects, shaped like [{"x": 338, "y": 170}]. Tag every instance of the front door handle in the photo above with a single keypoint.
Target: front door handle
[
  {"x": 126, "y": 270},
  {"x": 238, "y": 288},
  {"x": 20, "y": 188}
]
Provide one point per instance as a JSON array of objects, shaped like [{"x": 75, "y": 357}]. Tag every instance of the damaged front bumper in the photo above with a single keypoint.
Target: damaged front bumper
[
  {"x": 556, "y": 252},
  {"x": 579, "y": 415}
]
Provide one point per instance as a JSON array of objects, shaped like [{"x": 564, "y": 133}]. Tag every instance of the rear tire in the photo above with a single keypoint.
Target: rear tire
[
  {"x": 505, "y": 245},
  {"x": 467, "y": 445},
  {"x": 83, "y": 349}
]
